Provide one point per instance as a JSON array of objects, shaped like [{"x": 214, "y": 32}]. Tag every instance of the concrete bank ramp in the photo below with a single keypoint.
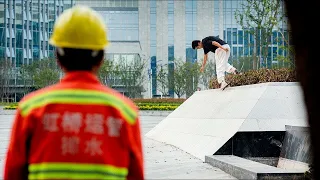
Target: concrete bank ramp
[{"x": 208, "y": 119}]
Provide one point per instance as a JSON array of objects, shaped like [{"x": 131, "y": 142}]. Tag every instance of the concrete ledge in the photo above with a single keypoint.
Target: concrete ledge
[{"x": 246, "y": 169}]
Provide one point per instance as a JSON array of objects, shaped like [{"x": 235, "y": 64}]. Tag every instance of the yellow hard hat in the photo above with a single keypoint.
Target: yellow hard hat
[{"x": 79, "y": 27}]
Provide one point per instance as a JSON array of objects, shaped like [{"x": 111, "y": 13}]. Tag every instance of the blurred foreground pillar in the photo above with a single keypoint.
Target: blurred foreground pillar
[{"x": 303, "y": 18}]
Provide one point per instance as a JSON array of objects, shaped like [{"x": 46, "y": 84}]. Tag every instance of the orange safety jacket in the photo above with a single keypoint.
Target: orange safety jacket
[{"x": 76, "y": 129}]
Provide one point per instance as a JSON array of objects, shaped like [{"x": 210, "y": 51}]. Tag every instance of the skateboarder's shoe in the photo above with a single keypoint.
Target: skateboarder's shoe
[
  {"x": 224, "y": 85},
  {"x": 236, "y": 72}
]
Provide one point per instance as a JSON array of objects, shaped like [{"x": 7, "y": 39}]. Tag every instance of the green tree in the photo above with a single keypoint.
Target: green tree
[
  {"x": 208, "y": 73},
  {"x": 43, "y": 73},
  {"x": 6, "y": 79},
  {"x": 243, "y": 63},
  {"x": 179, "y": 76},
  {"x": 259, "y": 19},
  {"x": 25, "y": 80},
  {"x": 132, "y": 76},
  {"x": 183, "y": 78},
  {"x": 163, "y": 80},
  {"x": 107, "y": 73},
  {"x": 286, "y": 60},
  {"x": 192, "y": 74}
]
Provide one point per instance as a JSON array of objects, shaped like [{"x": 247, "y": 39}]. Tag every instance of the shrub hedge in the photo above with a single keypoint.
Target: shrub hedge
[
  {"x": 163, "y": 100},
  {"x": 158, "y": 107},
  {"x": 164, "y": 104},
  {"x": 10, "y": 107},
  {"x": 258, "y": 76}
]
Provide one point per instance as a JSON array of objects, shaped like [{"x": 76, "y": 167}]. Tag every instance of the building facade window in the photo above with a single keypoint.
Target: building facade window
[
  {"x": 122, "y": 25},
  {"x": 28, "y": 27},
  {"x": 19, "y": 57},
  {"x": 2, "y": 36},
  {"x": 191, "y": 29},
  {"x": 153, "y": 45},
  {"x": 2, "y": 30},
  {"x": 240, "y": 36},
  {"x": 171, "y": 45},
  {"x": 108, "y": 3},
  {"x": 234, "y": 36}
]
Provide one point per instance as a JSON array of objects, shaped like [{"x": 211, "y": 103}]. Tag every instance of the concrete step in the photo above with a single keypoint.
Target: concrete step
[{"x": 246, "y": 169}]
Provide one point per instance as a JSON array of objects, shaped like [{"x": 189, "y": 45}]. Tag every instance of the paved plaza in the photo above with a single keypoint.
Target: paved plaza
[{"x": 161, "y": 161}]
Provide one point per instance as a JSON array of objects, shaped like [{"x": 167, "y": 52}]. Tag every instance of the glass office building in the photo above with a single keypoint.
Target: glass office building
[
  {"x": 121, "y": 17},
  {"x": 25, "y": 27},
  {"x": 122, "y": 20}
]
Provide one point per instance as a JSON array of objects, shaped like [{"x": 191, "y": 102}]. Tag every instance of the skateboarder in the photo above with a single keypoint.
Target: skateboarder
[{"x": 222, "y": 53}]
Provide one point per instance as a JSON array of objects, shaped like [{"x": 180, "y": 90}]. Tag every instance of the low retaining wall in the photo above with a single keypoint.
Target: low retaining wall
[
  {"x": 155, "y": 113},
  {"x": 6, "y": 112}
]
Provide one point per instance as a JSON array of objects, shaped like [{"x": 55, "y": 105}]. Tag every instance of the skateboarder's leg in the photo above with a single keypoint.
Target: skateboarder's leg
[
  {"x": 229, "y": 68},
  {"x": 221, "y": 67}
]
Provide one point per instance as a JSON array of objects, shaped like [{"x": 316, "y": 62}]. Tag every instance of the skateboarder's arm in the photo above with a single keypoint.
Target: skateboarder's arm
[
  {"x": 16, "y": 165},
  {"x": 205, "y": 57}
]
